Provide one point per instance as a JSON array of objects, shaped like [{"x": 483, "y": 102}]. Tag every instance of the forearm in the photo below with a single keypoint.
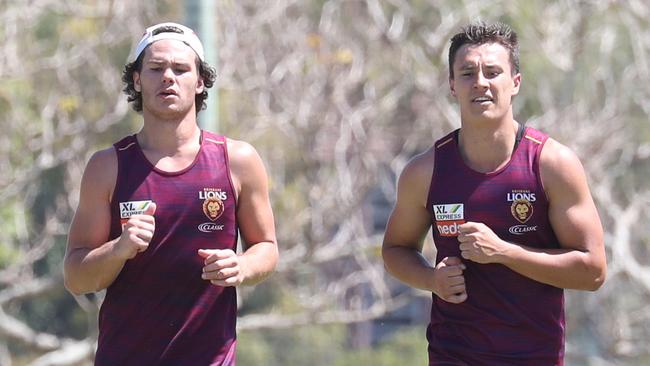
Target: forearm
[
  {"x": 91, "y": 270},
  {"x": 563, "y": 268},
  {"x": 259, "y": 262},
  {"x": 409, "y": 266}
]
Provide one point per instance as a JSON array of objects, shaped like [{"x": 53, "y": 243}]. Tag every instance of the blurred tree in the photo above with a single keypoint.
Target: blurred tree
[
  {"x": 354, "y": 89},
  {"x": 336, "y": 95}
]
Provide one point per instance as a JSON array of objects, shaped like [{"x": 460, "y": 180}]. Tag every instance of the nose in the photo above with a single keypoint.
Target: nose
[
  {"x": 168, "y": 75},
  {"x": 480, "y": 81}
]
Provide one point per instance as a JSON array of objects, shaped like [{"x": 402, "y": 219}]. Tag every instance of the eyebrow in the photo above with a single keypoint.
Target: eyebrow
[
  {"x": 469, "y": 66},
  {"x": 162, "y": 61}
]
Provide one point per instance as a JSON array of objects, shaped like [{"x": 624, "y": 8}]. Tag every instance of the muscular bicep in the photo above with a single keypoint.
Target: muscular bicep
[
  {"x": 572, "y": 211},
  {"x": 254, "y": 212},
  {"x": 406, "y": 227},
  {"x": 410, "y": 221},
  {"x": 91, "y": 223}
]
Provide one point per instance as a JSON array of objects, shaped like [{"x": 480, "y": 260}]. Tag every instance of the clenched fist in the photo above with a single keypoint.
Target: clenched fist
[
  {"x": 136, "y": 234},
  {"x": 449, "y": 282},
  {"x": 222, "y": 267}
]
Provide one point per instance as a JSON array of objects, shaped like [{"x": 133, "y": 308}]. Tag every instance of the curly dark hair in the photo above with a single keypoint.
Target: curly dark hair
[
  {"x": 206, "y": 72},
  {"x": 482, "y": 33}
]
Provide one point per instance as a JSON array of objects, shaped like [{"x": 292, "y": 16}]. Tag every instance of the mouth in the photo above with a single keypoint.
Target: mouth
[
  {"x": 482, "y": 99},
  {"x": 167, "y": 93}
]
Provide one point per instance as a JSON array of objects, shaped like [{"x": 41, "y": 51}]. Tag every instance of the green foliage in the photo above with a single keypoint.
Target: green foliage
[
  {"x": 575, "y": 55},
  {"x": 405, "y": 347},
  {"x": 59, "y": 315},
  {"x": 328, "y": 346},
  {"x": 47, "y": 29},
  {"x": 307, "y": 345},
  {"x": 8, "y": 230}
]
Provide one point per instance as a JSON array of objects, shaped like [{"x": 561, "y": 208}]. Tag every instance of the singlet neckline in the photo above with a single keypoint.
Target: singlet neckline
[
  {"x": 170, "y": 173},
  {"x": 459, "y": 157}
]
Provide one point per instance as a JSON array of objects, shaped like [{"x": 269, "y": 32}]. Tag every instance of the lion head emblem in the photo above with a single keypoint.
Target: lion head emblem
[
  {"x": 522, "y": 210},
  {"x": 213, "y": 208}
]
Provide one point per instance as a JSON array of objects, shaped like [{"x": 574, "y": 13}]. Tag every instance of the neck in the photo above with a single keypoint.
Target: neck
[
  {"x": 169, "y": 136},
  {"x": 487, "y": 147}
]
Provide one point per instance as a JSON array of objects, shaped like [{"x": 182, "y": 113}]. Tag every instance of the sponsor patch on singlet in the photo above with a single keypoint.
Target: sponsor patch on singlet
[
  {"x": 522, "y": 209},
  {"x": 130, "y": 208},
  {"x": 448, "y": 217},
  {"x": 213, "y": 206}
]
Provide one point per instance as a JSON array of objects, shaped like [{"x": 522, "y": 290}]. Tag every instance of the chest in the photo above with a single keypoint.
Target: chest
[{"x": 511, "y": 202}]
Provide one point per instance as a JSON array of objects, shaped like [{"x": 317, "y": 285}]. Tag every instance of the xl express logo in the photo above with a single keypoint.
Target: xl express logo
[
  {"x": 130, "y": 208},
  {"x": 448, "y": 217}
]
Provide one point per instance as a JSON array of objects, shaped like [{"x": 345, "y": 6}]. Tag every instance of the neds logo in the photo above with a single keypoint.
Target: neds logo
[{"x": 449, "y": 228}]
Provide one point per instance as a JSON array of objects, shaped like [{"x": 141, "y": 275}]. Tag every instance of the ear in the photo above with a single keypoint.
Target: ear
[
  {"x": 136, "y": 82},
  {"x": 516, "y": 80},
  {"x": 199, "y": 86},
  {"x": 452, "y": 87}
]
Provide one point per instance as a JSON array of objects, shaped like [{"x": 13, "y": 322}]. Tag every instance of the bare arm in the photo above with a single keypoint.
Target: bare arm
[
  {"x": 255, "y": 221},
  {"x": 91, "y": 262},
  {"x": 409, "y": 222},
  {"x": 580, "y": 262}
]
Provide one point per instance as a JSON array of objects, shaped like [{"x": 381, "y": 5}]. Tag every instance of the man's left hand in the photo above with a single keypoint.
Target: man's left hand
[
  {"x": 480, "y": 244},
  {"x": 222, "y": 267}
]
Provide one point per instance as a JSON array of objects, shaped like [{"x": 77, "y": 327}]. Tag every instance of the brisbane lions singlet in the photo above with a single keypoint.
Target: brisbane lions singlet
[
  {"x": 507, "y": 319},
  {"x": 159, "y": 311}
]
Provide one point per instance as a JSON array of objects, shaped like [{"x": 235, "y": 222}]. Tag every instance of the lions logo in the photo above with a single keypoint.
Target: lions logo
[
  {"x": 522, "y": 210},
  {"x": 213, "y": 208}
]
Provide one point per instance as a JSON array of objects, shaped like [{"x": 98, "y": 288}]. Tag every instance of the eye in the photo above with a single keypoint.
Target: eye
[{"x": 493, "y": 73}]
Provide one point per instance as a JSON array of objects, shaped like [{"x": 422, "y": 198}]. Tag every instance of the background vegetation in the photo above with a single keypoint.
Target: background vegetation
[{"x": 336, "y": 95}]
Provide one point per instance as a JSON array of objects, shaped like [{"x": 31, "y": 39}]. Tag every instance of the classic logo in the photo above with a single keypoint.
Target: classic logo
[
  {"x": 207, "y": 227},
  {"x": 521, "y": 229},
  {"x": 448, "y": 217},
  {"x": 213, "y": 205},
  {"x": 130, "y": 208}
]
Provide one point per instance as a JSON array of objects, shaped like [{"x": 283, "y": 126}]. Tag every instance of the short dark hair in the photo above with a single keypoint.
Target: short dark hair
[
  {"x": 206, "y": 72},
  {"x": 481, "y": 33}
]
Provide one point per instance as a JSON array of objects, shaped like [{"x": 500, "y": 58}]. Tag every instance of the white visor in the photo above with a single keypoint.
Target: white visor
[{"x": 186, "y": 36}]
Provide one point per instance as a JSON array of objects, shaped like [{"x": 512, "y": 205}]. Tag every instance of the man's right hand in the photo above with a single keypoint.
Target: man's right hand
[
  {"x": 136, "y": 234},
  {"x": 448, "y": 281}
]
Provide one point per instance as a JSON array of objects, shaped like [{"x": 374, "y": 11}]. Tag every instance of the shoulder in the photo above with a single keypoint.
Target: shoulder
[
  {"x": 103, "y": 162},
  {"x": 100, "y": 174},
  {"x": 420, "y": 167},
  {"x": 246, "y": 166},
  {"x": 242, "y": 155},
  {"x": 560, "y": 167},
  {"x": 557, "y": 158},
  {"x": 238, "y": 149},
  {"x": 415, "y": 179}
]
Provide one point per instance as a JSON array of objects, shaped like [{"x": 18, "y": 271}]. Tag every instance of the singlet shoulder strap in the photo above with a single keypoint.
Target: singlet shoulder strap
[
  {"x": 535, "y": 136},
  {"x": 213, "y": 137},
  {"x": 521, "y": 128},
  {"x": 127, "y": 143},
  {"x": 450, "y": 137}
]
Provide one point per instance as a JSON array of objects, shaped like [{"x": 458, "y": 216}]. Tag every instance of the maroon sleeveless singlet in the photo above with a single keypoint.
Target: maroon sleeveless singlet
[
  {"x": 159, "y": 311},
  {"x": 507, "y": 319}
]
